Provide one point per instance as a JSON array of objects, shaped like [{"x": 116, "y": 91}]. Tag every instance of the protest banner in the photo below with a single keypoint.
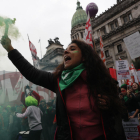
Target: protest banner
[
  {"x": 9, "y": 94},
  {"x": 138, "y": 74},
  {"x": 132, "y": 43},
  {"x": 131, "y": 130},
  {"x": 122, "y": 70}
]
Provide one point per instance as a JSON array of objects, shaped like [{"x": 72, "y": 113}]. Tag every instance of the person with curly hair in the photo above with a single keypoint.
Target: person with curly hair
[{"x": 87, "y": 105}]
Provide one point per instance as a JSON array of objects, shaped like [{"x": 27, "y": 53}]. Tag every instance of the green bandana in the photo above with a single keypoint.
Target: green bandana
[
  {"x": 125, "y": 98},
  {"x": 136, "y": 91},
  {"x": 69, "y": 76}
]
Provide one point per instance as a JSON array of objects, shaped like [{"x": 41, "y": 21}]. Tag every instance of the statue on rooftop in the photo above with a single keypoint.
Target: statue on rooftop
[
  {"x": 50, "y": 41},
  {"x": 56, "y": 41}
]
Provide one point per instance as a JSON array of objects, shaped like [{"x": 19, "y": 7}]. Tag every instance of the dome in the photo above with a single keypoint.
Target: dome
[{"x": 79, "y": 16}]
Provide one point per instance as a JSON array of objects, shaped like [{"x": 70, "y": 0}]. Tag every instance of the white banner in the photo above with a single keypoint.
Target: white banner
[
  {"x": 132, "y": 43},
  {"x": 138, "y": 73},
  {"x": 9, "y": 81},
  {"x": 122, "y": 70},
  {"x": 131, "y": 130}
]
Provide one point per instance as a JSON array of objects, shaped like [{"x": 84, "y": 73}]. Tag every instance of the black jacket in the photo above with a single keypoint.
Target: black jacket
[
  {"x": 45, "y": 79},
  {"x": 132, "y": 104}
]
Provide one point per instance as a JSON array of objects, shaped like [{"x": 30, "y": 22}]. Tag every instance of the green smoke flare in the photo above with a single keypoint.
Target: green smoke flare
[{"x": 8, "y": 28}]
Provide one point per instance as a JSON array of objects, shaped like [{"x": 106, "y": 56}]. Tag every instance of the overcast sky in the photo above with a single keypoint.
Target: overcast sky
[{"x": 41, "y": 19}]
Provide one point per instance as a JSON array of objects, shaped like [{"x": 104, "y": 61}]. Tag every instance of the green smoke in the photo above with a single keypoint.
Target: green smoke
[
  {"x": 2, "y": 53},
  {"x": 8, "y": 28}
]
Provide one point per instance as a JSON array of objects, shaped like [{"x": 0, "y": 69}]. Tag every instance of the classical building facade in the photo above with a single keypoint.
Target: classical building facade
[
  {"x": 53, "y": 56},
  {"x": 116, "y": 23}
]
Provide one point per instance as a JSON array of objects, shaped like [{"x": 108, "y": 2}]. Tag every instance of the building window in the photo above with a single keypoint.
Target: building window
[
  {"x": 107, "y": 53},
  {"x": 112, "y": 26},
  {"x": 56, "y": 61},
  {"x": 104, "y": 30},
  {"x": 125, "y": 19},
  {"x": 77, "y": 36},
  {"x": 82, "y": 34},
  {"x": 119, "y": 47},
  {"x": 116, "y": 24}
]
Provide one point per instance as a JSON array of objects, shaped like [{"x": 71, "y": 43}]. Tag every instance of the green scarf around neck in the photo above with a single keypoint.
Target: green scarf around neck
[
  {"x": 69, "y": 76},
  {"x": 125, "y": 98}
]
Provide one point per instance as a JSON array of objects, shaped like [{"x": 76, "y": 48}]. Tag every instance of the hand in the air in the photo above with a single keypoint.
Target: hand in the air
[
  {"x": 129, "y": 92},
  {"x": 6, "y": 43},
  {"x": 103, "y": 102}
]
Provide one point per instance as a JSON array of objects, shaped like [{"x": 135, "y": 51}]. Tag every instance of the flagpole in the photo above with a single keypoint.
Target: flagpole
[
  {"x": 92, "y": 36},
  {"x": 102, "y": 49},
  {"x": 28, "y": 37}
]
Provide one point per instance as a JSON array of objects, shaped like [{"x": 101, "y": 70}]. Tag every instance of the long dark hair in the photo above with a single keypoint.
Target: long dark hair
[
  {"x": 138, "y": 86},
  {"x": 99, "y": 80}
]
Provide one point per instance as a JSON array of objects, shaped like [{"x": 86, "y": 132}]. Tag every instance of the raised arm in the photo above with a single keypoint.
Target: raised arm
[
  {"x": 25, "y": 114},
  {"x": 34, "y": 75}
]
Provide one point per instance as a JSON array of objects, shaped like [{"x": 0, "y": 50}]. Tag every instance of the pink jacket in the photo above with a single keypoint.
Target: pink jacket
[{"x": 85, "y": 122}]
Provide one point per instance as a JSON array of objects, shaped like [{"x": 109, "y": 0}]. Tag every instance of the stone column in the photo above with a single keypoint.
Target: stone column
[
  {"x": 79, "y": 35},
  {"x": 107, "y": 28},
  {"x": 119, "y": 21},
  {"x": 95, "y": 35},
  {"x": 83, "y": 34},
  {"x": 112, "y": 51}
]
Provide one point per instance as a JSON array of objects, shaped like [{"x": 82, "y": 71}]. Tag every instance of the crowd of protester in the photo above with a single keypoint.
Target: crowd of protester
[
  {"x": 48, "y": 119},
  {"x": 130, "y": 97},
  {"x": 10, "y": 125}
]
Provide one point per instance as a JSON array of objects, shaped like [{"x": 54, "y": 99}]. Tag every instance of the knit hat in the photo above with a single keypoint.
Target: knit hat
[{"x": 124, "y": 86}]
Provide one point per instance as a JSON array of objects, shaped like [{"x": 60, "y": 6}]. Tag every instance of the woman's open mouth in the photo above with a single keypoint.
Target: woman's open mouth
[{"x": 67, "y": 59}]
